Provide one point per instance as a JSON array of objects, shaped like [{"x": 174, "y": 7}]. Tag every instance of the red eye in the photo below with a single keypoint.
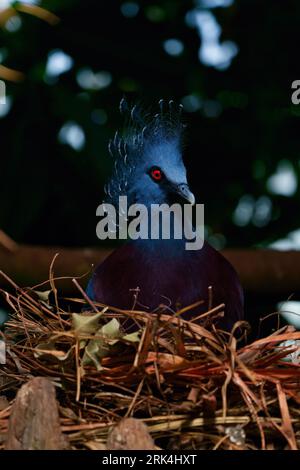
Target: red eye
[{"x": 156, "y": 174}]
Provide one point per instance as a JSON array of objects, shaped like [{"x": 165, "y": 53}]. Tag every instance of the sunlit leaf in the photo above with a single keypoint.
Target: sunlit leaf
[
  {"x": 107, "y": 336},
  {"x": 43, "y": 295},
  {"x": 85, "y": 324},
  {"x": 111, "y": 329},
  {"x": 49, "y": 349},
  {"x": 133, "y": 337}
]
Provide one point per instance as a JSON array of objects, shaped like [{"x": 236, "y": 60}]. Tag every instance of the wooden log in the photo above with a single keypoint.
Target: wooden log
[
  {"x": 267, "y": 271},
  {"x": 260, "y": 271},
  {"x": 130, "y": 434},
  {"x": 29, "y": 265},
  {"x": 34, "y": 421}
]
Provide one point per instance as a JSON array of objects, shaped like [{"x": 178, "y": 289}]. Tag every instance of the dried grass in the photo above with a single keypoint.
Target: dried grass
[{"x": 194, "y": 387}]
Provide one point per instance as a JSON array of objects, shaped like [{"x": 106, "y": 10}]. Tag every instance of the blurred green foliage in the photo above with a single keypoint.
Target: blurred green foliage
[{"x": 241, "y": 123}]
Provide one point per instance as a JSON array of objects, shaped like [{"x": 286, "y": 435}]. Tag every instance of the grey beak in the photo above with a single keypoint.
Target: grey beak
[{"x": 184, "y": 191}]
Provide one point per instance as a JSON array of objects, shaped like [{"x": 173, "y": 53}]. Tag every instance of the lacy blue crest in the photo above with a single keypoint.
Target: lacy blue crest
[{"x": 132, "y": 148}]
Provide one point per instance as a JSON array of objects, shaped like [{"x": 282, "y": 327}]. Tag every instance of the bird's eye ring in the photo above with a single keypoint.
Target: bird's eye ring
[{"x": 156, "y": 174}]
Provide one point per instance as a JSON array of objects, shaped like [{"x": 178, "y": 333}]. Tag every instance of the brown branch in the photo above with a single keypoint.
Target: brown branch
[{"x": 261, "y": 271}]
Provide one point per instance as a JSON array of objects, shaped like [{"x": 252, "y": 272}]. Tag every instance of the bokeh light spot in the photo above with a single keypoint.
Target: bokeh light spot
[
  {"x": 129, "y": 9},
  {"x": 173, "y": 47},
  {"x": 72, "y": 134},
  {"x": 58, "y": 62},
  {"x": 89, "y": 80},
  {"x": 284, "y": 181}
]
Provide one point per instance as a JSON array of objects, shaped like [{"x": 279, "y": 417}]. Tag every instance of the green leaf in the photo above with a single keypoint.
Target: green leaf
[
  {"x": 111, "y": 329},
  {"x": 106, "y": 337},
  {"x": 132, "y": 337},
  {"x": 91, "y": 355},
  {"x": 49, "y": 349},
  {"x": 43, "y": 295},
  {"x": 109, "y": 335},
  {"x": 85, "y": 324}
]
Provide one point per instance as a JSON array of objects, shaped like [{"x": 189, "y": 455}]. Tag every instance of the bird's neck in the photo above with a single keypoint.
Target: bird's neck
[
  {"x": 160, "y": 249},
  {"x": 166, "y": 237}
]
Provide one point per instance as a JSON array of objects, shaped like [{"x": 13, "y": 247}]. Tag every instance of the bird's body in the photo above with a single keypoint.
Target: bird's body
[{"x": 148, "y": 273}]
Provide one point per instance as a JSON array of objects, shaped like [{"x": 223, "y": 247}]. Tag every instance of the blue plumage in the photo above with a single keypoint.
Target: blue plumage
[{"x": 149, "y": 169}]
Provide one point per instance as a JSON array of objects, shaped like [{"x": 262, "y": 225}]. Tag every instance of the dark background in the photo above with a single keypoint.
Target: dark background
[
  {"x": 242, "y": 126},
  {"x": 49, "y": 191}
]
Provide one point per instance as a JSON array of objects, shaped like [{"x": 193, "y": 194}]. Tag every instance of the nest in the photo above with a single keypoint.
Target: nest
[{"x": 195, "y": 387}]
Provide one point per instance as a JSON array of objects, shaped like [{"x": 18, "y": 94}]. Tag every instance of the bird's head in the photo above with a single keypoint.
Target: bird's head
[{"x": 148, "y": 166}]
